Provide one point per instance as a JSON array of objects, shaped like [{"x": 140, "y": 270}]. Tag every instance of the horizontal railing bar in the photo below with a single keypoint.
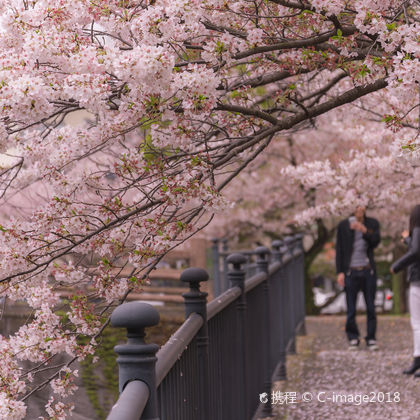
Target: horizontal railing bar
[
  {"x": 131, "y": 403},
  {"x": 172, "y": 350},
  {"x": 274, "y": 267},
  {"x": 254, "y": 281},
  {"x": 287, "y": 258},
  {"x": 297, "y": 253},
  {"x": 227, "y": 253},
  {"x": 221, "y": 301}
]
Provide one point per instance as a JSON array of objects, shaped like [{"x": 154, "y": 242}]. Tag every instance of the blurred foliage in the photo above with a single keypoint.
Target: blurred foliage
[
  {"x": 382, "y": 270},
  {"x": 321, "y": 266}
]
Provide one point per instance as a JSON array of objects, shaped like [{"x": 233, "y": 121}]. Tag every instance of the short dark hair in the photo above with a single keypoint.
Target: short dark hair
[{"x": 414, "y": 218}]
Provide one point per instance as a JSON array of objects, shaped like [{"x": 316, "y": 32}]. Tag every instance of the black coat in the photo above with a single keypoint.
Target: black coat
[
  {"x": 345, "y": 239},
  {"x": 411, "y": 258}
]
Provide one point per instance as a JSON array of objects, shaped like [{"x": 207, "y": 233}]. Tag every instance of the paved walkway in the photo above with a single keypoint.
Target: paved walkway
[{"x": 323, "y": 368}]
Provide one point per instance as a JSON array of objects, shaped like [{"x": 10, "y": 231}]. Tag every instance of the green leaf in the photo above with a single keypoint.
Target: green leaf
[{"x": 391, "y": 26}]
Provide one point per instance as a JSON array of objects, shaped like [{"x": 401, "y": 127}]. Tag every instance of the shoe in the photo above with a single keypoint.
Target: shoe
[
  {"x": 414, "y": 366},
  {"x": 354, "y": 344},
  {"x": 371, "y": 345}
]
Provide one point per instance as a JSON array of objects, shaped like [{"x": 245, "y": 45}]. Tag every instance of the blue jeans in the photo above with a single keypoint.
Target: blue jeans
[{"x": 364, "y": 280}]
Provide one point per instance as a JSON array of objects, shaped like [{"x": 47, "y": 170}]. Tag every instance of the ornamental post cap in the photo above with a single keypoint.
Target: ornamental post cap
[
  {"x": 288, "y": 240},
  {"x": 194, "y": 275},
  {"x": 135, "y": 315},
  {"x": 236, "y": 259},
  {"x": 276, "y": 244},
  {"x": 261, "y": 251}
]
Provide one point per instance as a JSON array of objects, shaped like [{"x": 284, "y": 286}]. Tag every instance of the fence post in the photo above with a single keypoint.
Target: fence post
[
  {"x": 216, "y": 267},
  {"x": 281, "y": 373},
  {"x": 262, "y": 267},
  {"x": 301, "y": 281},
  {"x": 236, "y": 277},
  {"x": 276, "y": 245},
  {"x": 136, "y": 359},
  {"x": 291, "y": 282},
  {"x": 195, "y": 302},
  {"x": 225, "y": 281}
]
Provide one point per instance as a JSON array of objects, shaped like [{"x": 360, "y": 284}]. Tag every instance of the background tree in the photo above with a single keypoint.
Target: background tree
[{"x": 314, "y": 178}]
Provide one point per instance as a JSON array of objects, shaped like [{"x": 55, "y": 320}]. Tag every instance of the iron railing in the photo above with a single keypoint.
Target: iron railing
[
  {"x": 220, "y": 252},
  {"x": 226, "y": 353}
]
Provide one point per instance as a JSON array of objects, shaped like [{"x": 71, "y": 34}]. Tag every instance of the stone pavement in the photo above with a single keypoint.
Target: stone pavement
[{"x": 324, "y": 368}]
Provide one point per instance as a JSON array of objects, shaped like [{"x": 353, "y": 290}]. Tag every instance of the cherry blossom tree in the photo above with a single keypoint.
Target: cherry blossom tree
[
  {"x": 174, "y": 98},
  {"x": 311, "y": 179}
]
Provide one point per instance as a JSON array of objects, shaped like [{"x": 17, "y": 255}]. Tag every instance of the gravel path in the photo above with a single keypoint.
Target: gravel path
[{"x": 323, "y": 368}]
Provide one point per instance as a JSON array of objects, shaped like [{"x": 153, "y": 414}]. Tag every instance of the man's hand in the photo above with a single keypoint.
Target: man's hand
[
  {"x": 340, "y": 279},
  {"x": 404, "y": 235},
  {"x": 358, "y": 226}
]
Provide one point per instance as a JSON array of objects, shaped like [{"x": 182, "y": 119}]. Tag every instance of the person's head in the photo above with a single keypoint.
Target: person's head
[
  {"x": 359, "y": 213},
  {"x": 414, "y": 218}
]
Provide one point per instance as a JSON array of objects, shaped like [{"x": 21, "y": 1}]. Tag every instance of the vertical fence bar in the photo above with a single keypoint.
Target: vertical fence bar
[
  {"x": 225, "y": 282},
  {"x": 300, "y": 264},
  {"x": 288, "y": 241},
  {"x": 195, "y": 302},
  {"x": 295, "y": 283},
  {"x": 236, "y": 277},
  {"x": 303, "y": 283},
  {"x": 136, "y": 359},
  {"x": 285, "y": 297},
  {"x": 216, "y": 267},
  {"x": 248, "y": 266},
  {"x": 262, "y": 267},
  {"x": 225, "y": 372},
  {"x": 281, "y": 317}
]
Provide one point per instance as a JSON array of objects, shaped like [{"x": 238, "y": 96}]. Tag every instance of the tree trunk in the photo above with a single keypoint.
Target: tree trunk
[
  {"x": 323, "y": 236},
  {"x": 310, "y": 307},
  {"x": 396, "y": 290},
  {"x": 399, "y": 285}
]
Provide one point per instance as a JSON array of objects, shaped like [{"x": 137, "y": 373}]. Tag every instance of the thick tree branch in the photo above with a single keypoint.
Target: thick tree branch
[{"x": 296, "y": 43}]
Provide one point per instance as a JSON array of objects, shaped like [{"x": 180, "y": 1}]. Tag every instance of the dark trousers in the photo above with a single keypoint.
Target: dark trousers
[{"x": 364, "y": 280}]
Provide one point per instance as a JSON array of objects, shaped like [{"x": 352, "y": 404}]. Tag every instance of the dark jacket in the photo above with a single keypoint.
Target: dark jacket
[
  {"x": 411, "y": 258},
  {"x": 345, "y": 239}
]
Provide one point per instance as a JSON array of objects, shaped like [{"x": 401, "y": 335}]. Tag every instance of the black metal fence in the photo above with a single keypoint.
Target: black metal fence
[
  {"x": 219, "y": 253},
  {"x": 226, "y": 353}
]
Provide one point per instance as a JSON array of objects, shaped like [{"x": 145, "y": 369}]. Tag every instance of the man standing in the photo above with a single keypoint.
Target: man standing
[{"x": 357, "y": 237}]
